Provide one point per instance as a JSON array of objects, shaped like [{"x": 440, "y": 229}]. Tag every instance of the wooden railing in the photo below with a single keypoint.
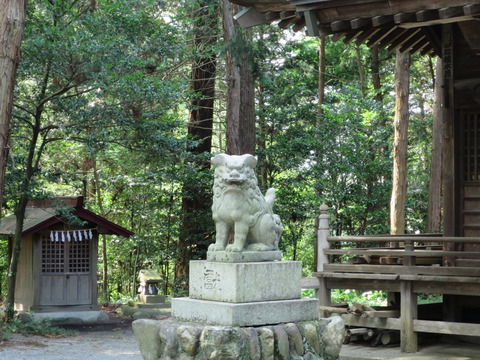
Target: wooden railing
[{"x": 408, "y": 265}]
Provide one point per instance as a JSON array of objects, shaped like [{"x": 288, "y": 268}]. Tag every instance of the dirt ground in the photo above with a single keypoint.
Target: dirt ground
[{"x": 110, "y": 340}]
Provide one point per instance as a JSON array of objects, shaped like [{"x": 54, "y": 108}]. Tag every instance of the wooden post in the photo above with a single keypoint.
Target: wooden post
[
  {"x": 323, "y": 293},
  {"x": 408, "y": 307}
]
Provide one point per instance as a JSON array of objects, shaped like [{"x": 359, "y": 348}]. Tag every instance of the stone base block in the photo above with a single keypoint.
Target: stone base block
[
  {"x": 245, "y": 314},
  {"x": 71, "y": 317},
  {"x": 244, "y": 256},
  {"x": 245, "y": 282}
]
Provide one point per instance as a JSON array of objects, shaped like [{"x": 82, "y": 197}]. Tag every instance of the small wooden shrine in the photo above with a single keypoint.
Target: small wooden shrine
[{"x": 57, "y": 268}]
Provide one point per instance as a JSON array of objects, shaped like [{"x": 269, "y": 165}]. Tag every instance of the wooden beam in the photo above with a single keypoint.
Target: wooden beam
[
  {"x": 449, "y": 12},
  {"x": 391, "y": 37},
  {"x": 404, "y": 18},
  {"x": 382, "y": 20},
  {"x": 360, "y": 23},
  {"x": 382, "y": 313},
  {"x": 338, "y": 36},
  {"x": 434, "y": 38},
  {"x": 443, "y": 327},
  {"x": 402, "y": 270},
  {"x": 312, "y": 23},
  {"x": 300, "y": 24},
  {"x": 373, "y": 322},
  {"x": 473, "y": 9},
  {"x": 420, "y": 46},
  {"x": 349, "y": 37},
  {"x": 364, "y": 36},
  {"x": 407, "y": 45},
  {"x": 340, "y": 26},
  {"x": 403, "y": 38},
  {"x": 288, "y": 21},
  {"x": 249, "y": 17},
  {"x": 309, "y": 283},
  {"x": 287, "y": 14},
  {"x": 426, "y": 15},
  {"x": 272, "y": 16},
  {"x": 379, "y": 36}
]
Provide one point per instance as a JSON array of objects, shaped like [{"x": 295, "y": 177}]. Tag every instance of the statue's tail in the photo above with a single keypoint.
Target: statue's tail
[{"x": 270, "y": 197}]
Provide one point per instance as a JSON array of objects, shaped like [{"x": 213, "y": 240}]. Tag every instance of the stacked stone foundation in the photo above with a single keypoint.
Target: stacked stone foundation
[{"x": 171, "y": 339}]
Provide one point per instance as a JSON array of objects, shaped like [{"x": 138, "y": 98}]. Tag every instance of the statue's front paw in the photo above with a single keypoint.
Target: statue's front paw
[
  {"x": 215, "y": 247},
  {"x": 233, "y": 248}
]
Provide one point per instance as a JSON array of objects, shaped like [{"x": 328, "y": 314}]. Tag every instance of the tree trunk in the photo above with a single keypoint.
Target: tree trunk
[
  {"x": 376, "y": 81},
  {"x": 240, "y": 87},
  {"x": 321, "y": 76},
  {"x": 399, "y": 187},
  {"x": 361, "y": 74},
  {"x": 195, "y": 229},
  {"x": 12, "y": 20},
  {"x": 12, "y": 271},
  {"x": 106, "y": 295},
  {"x": 434, "y": 211}
]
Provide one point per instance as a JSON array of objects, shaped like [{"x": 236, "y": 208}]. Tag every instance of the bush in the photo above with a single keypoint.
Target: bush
[{"x": 41, "y": 327}]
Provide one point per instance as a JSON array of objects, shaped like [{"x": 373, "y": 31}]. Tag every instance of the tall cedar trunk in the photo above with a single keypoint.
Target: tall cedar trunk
[
  {"x": 321, "y": 76},
  {"x": 12, "y": 19},
  {"x": 361, "y": 74},
  {"x": 194, "y": 233},
  {"x": 434, "y": 212},
  {"x": 262, "y": 138},
  {"x": 399, "y": 187},
  {"x": 376, "y": 81},
  {"x": 373, "y": 178},
  {"x": 106, "y": 295},
  {"x": 240, "y": 87}
]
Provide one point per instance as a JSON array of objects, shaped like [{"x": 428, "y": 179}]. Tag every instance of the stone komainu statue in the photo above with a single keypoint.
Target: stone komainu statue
[{"x": 238, "y": 204}]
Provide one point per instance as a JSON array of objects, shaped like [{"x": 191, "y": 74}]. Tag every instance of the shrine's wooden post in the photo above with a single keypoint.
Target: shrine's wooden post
[
  {"x": 408, "y": 307},
  {"x": 323, "y": 294}
]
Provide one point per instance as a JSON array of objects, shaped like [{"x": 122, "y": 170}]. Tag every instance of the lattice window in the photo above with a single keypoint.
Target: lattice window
[
  {"x": 53, "y": 255},
  {"x": 65, "y": 253},
  {"x": 79, "y": 256},
  {"x": 471, "y": 149}
]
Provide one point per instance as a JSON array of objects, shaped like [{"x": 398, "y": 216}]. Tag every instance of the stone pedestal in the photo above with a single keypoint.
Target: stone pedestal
[
  {"x": 245, "y": 294},
  {"x": 245, "y": 282}
]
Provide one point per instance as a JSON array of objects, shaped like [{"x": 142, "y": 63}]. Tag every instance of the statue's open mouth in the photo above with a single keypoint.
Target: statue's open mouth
[{"x": 235, "y": 181}]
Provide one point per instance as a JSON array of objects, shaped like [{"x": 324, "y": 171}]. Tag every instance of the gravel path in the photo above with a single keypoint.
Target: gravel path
[{"x": 99, "y": 342}]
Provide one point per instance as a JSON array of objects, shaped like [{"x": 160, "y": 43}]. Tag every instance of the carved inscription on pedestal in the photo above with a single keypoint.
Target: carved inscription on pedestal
[{"x": 211, "y": 279}]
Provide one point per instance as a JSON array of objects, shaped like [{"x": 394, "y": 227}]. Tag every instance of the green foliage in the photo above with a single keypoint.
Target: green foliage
[
  {"x": 370, "y": 298},
  {"x": 101, "y": 110},
  {"x": 41, "y": 327}
]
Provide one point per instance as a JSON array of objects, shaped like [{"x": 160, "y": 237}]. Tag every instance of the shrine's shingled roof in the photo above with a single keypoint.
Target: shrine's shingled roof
[
  {"x": 40, "y": 215},
  {"x": 407, "y": 25}
]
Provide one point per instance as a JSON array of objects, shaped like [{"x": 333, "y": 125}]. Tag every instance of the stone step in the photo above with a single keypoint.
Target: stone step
[
  {"x": 153, "y": 306},
  {"x": 151, "y": 299}
]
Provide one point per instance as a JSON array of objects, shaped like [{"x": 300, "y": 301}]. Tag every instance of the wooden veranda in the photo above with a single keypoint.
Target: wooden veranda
[
  {"x": 414, "y": 265},
  {"x": 445, "y": 265}
]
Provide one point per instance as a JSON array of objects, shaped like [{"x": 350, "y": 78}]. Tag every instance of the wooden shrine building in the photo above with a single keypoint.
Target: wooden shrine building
[
  {"x": 449, "y": 29},
  {"x": 57, "y": 268}
]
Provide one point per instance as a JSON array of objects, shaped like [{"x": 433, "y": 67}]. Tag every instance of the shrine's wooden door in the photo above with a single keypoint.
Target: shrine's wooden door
[{"x": 66, "y": 266}]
